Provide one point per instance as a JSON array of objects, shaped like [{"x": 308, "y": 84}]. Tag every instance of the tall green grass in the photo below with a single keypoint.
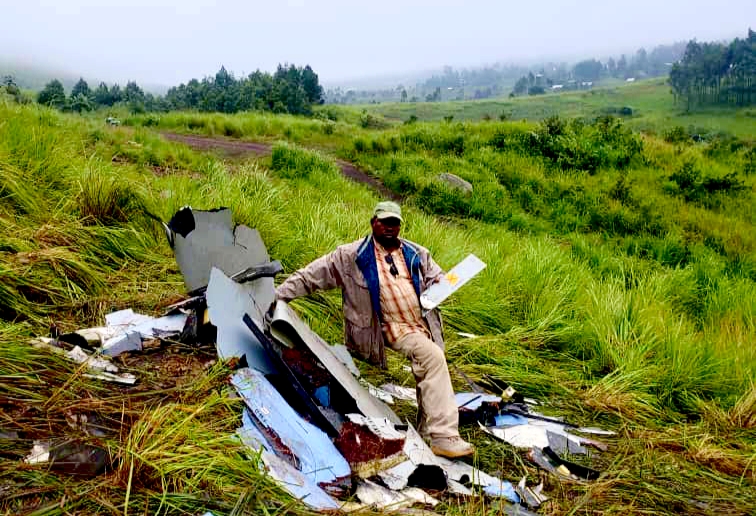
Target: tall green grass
[{"x": 658, "y": 349}]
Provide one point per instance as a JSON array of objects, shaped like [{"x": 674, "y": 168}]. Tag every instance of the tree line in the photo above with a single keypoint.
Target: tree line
[
  {"x": 291, "y": 89},
  {"x": 716, "y": 73},
  {"x": 584, "y": 74}
]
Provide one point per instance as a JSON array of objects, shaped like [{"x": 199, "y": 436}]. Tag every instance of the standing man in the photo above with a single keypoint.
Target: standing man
[{"x": 381, "y": 277}]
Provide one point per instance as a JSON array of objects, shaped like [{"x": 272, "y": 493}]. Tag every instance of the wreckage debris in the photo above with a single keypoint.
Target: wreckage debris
[
  {"x": 306, "y": 446},
  {"x": 70, "y": 457}
]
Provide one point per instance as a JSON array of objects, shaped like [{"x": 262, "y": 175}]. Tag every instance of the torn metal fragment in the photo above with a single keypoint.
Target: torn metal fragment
[
  {"x": 289, "y": 329},
  {"x": 228, "y": 303},
  {"x": 299, "y": 485},
  {"x": 382, "y": 395},
  {"x": 536, "y": 434},
  {"x": 419, "y": 496},
  {"x": 287, "y": 431},
  {"x": 379, "y": 497},
  {"x": 202, "y": 240},
  {"x": 401, "y": 393},
  {"x": 531, "y": 496},
  {"x": 129, "y": 341},
  {"x": 419, "y": 453}
]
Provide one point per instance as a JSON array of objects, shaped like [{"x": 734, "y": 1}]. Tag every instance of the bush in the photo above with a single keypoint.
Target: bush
[
  {"x": 109, "y": 202},
  {"x": 694, "y": 186},
  {"x": 292, "y": 162},
  {"x": 676, "y": 135}
]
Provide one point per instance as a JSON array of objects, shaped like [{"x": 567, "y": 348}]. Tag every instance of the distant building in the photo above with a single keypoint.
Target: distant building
[
  {"x": 630, "y": 79},
  {"x": 557, "y": 87}
]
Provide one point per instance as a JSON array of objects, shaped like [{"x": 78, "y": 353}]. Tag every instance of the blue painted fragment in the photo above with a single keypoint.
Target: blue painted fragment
[
  {"x": 323, "y": 395},
  {"x": 316, "y": 455},
  {"x": 299, "y": 485},
  {"x": 510, "y": 420}
]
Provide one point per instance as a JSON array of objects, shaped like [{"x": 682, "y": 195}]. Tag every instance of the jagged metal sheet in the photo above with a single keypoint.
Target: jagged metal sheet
[
  {"x": 298, "y": 484},
  {"x": 316, "y": 455},
  {"x": 289, "y": 329},
  {"x": 206, "y": 239},
  {"x": 227, "y": 303}
]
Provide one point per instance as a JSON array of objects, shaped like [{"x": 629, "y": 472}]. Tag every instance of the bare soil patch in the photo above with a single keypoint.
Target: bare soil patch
[{"x": 233, "y": 148}]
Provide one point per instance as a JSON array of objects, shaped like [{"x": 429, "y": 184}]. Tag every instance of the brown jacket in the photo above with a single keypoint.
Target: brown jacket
[{"x": 352, "y": 268}]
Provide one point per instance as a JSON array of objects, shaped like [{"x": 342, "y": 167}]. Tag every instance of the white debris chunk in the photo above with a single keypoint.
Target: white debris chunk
[
  {"x": 401, "y": 393},
  {"x": 80, "y": 356},
  {"x": 419, "y": 496},
  {"x": 377, "y": 393},
  {"x": 381, "y": 427},
  {"x": 40, "y": 453},
  {"x": 379, "y": 497}
]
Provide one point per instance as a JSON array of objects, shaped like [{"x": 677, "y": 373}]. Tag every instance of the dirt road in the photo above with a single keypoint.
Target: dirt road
[{"x": 239, "y": 148}]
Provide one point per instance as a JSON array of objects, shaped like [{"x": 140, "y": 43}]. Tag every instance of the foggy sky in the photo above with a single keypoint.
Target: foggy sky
[{"x": 171, "y": 41}]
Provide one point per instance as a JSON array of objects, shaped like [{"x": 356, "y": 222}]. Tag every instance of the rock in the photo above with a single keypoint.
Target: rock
[{"x": 455, "y": 182}]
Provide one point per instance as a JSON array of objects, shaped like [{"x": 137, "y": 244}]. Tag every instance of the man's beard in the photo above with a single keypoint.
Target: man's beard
[{"x": 388, "y": 241}]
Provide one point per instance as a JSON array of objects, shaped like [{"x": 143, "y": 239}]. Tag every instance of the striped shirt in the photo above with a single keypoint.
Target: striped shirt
[{"x": 399, "y": 303}]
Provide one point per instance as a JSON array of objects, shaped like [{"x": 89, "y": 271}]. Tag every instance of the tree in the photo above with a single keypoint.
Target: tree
[
  {"x": 312, "y": 87},
  {"x": 588, "y": 70},
  {"x": 404, "y": 95},
  {"x": 81, "y": 88},
  {"x": 80, "y": 103},
  {"x": 102, "y": 95},
  {"x": 53, "y": 95},
  {"x": 521, "y": 86},
  {"x": 621, "y": 66},
  {"x": 133, "y": 95},
  {"x": 641, "y": 61}
]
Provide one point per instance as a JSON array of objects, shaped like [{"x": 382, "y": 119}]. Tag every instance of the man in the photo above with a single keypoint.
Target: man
[{"x": 381, "y": 278}]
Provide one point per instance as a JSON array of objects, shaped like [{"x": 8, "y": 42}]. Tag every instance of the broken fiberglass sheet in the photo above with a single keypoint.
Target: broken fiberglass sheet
[
  {"x": 126, "y": 329},
  {"x": 539, "y": 434},
  {"x": 316, "y": 455},
  {"x": 299, "y": 485},
  {"x": 206, "y": 239},
  {"x": 419, "y": 453},
  {"x": 227, "y": 303},
  {"x": 290, "y": 330},
  {"x": 450, "y": 282}
]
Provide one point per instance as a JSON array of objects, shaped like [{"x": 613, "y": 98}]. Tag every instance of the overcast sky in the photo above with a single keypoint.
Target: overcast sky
[{"x": 171, "y": 41}]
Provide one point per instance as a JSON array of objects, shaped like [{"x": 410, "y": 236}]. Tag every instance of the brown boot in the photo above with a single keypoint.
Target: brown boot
[{"x": 451, "y": 447}]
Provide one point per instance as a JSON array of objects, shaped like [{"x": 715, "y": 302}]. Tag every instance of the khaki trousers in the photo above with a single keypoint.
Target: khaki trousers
[{"x": 437, "y": 414}]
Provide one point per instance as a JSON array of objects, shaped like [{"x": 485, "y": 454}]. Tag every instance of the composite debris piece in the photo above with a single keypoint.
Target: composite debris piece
[
  {"x": 227, "y": 303},
  {"x": 97, "y": 367},
  {"x": 305, "y": 445},
  {"x": 290, "y": 330},
  {"x": 450, "y": 282},
  {"x": 300, "y": 486}
]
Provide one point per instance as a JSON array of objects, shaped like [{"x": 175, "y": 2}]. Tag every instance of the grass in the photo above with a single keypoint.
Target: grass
[
  {"x": 613, "y": 329},
  {"x": 652, "y": 105}
]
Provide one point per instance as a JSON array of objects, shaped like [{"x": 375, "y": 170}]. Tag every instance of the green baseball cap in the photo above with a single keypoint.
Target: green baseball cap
[{"x": 386, "y": 210}]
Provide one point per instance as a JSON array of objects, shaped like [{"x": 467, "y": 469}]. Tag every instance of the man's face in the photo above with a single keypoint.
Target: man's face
[{"x": 386, "y": 231}]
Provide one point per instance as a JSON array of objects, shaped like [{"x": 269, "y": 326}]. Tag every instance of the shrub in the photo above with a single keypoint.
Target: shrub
[
  {"x": 694, "y": 186},
  {"x": 108, "y": 201},
  {"x": 677, "y": 135},
  {"x": 411, "y": 120},
  {"x": 291, "y": 161}
]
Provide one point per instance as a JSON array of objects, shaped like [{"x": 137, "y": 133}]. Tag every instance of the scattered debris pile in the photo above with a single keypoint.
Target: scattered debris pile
[{"x": 319, "y": 430}]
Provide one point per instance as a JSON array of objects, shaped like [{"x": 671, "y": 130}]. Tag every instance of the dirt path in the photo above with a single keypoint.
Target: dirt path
[{"x": 239, "y": 148}]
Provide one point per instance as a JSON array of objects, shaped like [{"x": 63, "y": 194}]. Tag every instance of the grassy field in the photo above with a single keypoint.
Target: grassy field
[
  {"x": 651, "y": 101},
  {"x": 622, "y": 297}
]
